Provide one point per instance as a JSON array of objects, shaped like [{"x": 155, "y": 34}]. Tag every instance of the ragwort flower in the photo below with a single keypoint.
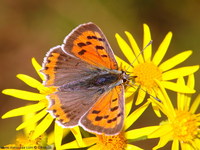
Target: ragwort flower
[
  {"x": 24, "y": 140},
  {"x": 145, "y": 68},
  {"x": 183, "y": 124}
]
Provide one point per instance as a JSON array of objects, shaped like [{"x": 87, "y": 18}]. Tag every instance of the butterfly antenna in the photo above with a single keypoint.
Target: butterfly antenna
[
  {"x": 146, "y": 92},
  {"x": 150, "y": 42}
]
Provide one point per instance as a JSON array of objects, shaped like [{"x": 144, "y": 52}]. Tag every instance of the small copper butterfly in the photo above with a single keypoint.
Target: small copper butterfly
[{"x": 89, "y": 84}]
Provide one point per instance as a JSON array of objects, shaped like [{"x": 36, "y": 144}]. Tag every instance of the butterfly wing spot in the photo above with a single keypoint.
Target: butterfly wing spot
[
  {"x": 98, "y": 118},
  {"x": 50, "y": 68},
  {"x": 113, "y": 100},
  {"x": 82, "y": 52},
  {"x": 91, "y": 37},
  {"x": 94, "y": 37},
  {"x": 81, "y": 44},
  {"x": 56, "y": 109},
  {"x": 114, "y": 108},
  {"x": 105, "y": 117},
  {"x": 95, "y": 111},
  {"x": 88, "y": 43},
  {"x": 99, "y": 47},
  {"x": 104, "y": 56}
]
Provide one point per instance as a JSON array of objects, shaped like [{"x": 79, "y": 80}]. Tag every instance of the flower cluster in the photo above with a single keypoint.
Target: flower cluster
[{"x": 150, "y": 80}]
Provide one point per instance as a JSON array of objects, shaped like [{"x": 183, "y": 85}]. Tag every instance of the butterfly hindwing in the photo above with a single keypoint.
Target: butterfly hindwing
[
  {"x": 68, "y": 106},
  {"x": 107, "y": 114},
  {"x": 88, "y": 43}
]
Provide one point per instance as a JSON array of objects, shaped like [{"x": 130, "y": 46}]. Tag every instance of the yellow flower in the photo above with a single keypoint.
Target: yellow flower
[
  {"x": 145, "y": 68},
  {"x": 182, "y": 125},
  {"x": 120, "y": 141},
  {"x": 24, "y": 141},
  {"x": 40, "y": 109}
]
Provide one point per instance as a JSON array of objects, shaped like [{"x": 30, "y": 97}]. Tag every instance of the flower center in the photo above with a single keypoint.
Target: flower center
[
  {"x": 115, "y": 142},
  {"x": 185, "y": 126},
  {"x": 146, "y": 73}
]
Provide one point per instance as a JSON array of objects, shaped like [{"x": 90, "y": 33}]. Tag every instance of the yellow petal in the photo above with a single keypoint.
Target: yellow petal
[
  {"x": 31, "y": 126},
  {"x": 176, "y": 73},
  {"x": 166, "y": 102},
  {"x": 88, "y": 142},
  {"x": 135, "y": 48},
  {"x": 37, "y": 67},
  {"x": 132, "y": 147},
  {"x": 24, "y": 110},
  {"x": 141, "y": 132},
  {"x": 128, "y": 104},
  {"x": 135, "y": 115},
  {"x": 58, "y": 130},
  {"x": 177, "y": 88},
  {"x": 77, "y": 134},
  {"x": 30, "y": 81},
  {"x": 70, "y": 145},
  {"x": 191, "y": 81},
  {"x": 160, "y": 53},
  {"x": 42, "y": 126},
  {"x": 180, "y": 96},
  {"x": 175, "y": 144},
  {"x": 125, "y": 48},
  {"x": 130, "y": 91},
  {"x": 51, "y": 135},
  {"x": 188, "y": 146},
  {"x": 195, "y": 104},
  {"x": 94, "y": 147},
  {"x": 25, "y": 95},
  {"x": 32, "y": 119},
  {"x": 141, "y": 95},
  {"x": 147, "y": 39},
  {"x": 172, "y": 62},
  {"x": 161, "y": 131},
  {"x": 196, "y": 142},
  {"x": 163, "y": 141},
  {"x": 121, "y": 62},
  {"x": 156, "y": 109}
]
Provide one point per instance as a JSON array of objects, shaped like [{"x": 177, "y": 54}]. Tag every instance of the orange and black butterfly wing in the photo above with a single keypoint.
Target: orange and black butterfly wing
[
  {"x": 88, "y": 43},
  {"x": 60, "y": 68},
  {"x": 107, "y": 114}
]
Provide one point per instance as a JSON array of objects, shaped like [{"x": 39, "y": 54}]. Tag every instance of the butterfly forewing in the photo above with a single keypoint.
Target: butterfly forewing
[
  {"x": 61, "y": 68},
  {"x": 88, "y": 43}
]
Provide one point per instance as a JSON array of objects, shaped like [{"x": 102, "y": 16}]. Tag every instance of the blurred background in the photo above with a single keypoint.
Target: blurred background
[{"x": 29, "y": 28}]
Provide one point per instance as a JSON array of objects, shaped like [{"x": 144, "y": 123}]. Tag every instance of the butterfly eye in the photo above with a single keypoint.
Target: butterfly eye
[{"x": 124, "y": 80}]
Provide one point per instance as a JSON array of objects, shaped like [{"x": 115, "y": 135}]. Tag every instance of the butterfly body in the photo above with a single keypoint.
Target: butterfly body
[
  {"x": 90, "y": 90},
  {"x": 100, "y": 79}
]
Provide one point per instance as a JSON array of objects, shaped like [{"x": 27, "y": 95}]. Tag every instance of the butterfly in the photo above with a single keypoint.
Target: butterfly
[{"x": 89, "y": 84}]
